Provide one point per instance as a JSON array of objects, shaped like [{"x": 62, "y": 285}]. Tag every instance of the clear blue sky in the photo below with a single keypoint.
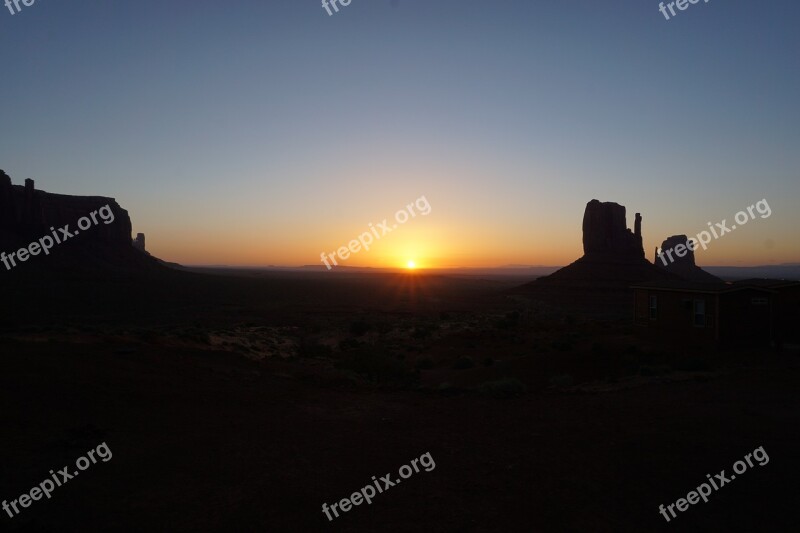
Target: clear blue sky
[{"x": 264, "y": 132}]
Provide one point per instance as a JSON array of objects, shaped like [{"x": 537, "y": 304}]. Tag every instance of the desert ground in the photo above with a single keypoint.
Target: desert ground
[{"x": 243, "y": 401}]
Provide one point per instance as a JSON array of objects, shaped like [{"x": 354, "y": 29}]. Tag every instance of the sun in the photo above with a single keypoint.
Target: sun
[{"x": 411, "y": 264}]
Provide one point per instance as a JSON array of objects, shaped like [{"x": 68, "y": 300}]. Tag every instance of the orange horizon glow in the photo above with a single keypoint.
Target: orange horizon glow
[
  {"x": 456, "y": 234},
  {"x": 443, "y": 253}
]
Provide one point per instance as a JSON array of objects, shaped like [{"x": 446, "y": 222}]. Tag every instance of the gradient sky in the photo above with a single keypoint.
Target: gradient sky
[{"x": 265, "y": 132}]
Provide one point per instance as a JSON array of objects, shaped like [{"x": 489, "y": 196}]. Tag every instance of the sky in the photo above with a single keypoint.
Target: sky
[{"x": 265, "y": 132}]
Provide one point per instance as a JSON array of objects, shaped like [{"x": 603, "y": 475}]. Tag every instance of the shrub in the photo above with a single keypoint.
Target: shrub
[
  {"x": 445, "y": 386},
  {"x": 310, "y": 348},
  {"x": 598, "y": 348},
  {"x": 628, "y": 363},
  {"x": 633, "y": 350},
  {"x": 376, "y": 365},
  {"x": 562, "y": 346},
  {"x": 658, "y": 370},
  {"x": 147, "y": 335},
  {"x": 509, "y": 321},
  {"x": 349, "y": 344},
  {"x": 562, "y": 380},
  {"x": 359, "y": 328},
  {"x": 463, "y": 363},
  {"x": 503, "y": 388},
  {"x": 422, "y": 332},
  {"x": 424, "y": 363},
  {"x": 691, "y": 363}
]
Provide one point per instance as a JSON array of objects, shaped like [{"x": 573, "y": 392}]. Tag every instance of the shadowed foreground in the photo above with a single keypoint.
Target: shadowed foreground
[{"x": 207, "y": 440}]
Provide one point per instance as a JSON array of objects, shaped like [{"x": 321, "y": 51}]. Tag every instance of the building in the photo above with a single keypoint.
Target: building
[{"x": 745, "y": 313}]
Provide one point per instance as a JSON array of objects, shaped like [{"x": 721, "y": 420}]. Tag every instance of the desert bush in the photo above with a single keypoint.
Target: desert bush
[
  {"x": 445, "y": 386},
  {"x": 628, "y": 363},
  {"x": 463, "y": 363},
  {"x": 633, "y": 350},
  {"x": 502, "y": 388},
  {"x": 195, "y": 335},
  {"x": 359, "y": 328},
  {"x": 509, "y": 321},
  {"x": 311, "y": 348},
  {"x": 423, "y": 332},
  {"x": 562, "y": 380},
  {"x": 424, "y": 363},
  {"x": 376, "y": 365},
  {"x": 146, "y": 335},
  {"x": 598, "y": 348},
  {"x": 562, "y": 346},
  {"x": 349, "y": 344},
  {"x": 691, "y": 363},
  {"x": 653, "y": 370}
]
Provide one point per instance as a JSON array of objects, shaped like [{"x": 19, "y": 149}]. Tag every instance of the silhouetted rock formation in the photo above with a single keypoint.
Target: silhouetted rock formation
[
  {"x": 27, "y": 215},
  {"x": 28, "y": 212},
  {"x": 611, "y": 251},
  {"x": 605, "y": 232},
  {"x": 599, "y": 282},
  {"x": 138, "y": 242},
  {"x": 7, "y": 212},
  {"x": 684, "y": 266}
]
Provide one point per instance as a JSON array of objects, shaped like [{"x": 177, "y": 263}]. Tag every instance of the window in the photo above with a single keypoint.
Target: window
[
  {"x": 653, "y": 307},
  {"x": 759, "y": 301},
  {"x": 699, "y": 313}
]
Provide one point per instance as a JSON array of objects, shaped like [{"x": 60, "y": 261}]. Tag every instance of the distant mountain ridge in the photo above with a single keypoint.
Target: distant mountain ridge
[{"x": 783, "y": 271}]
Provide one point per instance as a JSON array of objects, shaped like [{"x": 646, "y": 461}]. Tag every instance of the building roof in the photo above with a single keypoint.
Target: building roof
[
  {"x": 765, "y": 285},
  {"x": 768, "y": 283}
]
